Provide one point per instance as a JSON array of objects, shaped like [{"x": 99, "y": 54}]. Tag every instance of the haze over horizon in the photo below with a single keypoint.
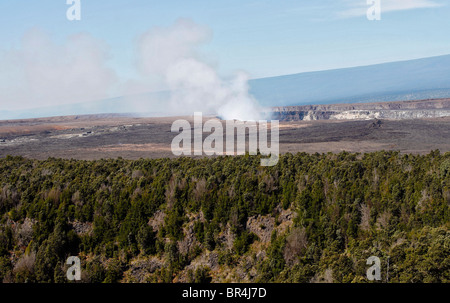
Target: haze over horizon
[{"x": 129, "y": 48}]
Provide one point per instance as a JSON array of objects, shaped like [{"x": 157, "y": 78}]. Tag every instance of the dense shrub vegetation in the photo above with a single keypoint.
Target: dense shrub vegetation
[{"x": 160, "y": 220}]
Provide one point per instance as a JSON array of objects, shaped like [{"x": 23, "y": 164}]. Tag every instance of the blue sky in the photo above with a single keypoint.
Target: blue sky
[{"x": 263, "y": 38}]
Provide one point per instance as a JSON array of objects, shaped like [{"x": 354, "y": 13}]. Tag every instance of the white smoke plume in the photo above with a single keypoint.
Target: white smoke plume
[
  {"x": 171, "y": 54},
  {"x": 42, "y": 73}
]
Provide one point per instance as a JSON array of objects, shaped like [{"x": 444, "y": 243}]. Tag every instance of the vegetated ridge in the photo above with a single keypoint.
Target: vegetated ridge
[{"x": 310, "y": 218}]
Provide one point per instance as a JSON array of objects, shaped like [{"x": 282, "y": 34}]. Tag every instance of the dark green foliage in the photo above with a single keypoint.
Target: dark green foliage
[
  {"x": 146, "y": 240},
  {"x": 243, "y": 241},
  {"x": 96, "y": 271},
  {"x": 348, "y": 207},
  {"x": 201, "y": 275}
]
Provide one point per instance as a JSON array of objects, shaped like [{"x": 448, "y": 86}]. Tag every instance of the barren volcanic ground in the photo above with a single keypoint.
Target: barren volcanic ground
[{"x": 112, "y": 136}]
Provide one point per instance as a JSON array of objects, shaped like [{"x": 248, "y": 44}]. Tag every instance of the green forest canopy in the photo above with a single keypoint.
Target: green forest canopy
[{"x": 346, "y": 208}]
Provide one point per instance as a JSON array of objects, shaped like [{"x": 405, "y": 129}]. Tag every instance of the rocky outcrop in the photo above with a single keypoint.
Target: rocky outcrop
[
  {"x": 227, "y": 237},
  {"x": 262, "y": 226},
  {"x": 81, "y": 228},
  {"x": 157, "y": 220},
  {"x": 189, "y": 242},
  {"x": 140, "y": 269},
  {"x": 365, "y": 111},
  {"x": 207, "y": 260}
]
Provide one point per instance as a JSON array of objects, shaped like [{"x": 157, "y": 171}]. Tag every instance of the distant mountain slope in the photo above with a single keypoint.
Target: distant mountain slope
[
  {"x": 119, "y": 105},
  {"x": 427, "y": 78},
  {"x": 420, "y": 79}
]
